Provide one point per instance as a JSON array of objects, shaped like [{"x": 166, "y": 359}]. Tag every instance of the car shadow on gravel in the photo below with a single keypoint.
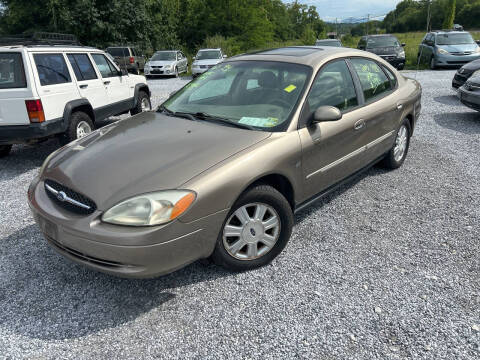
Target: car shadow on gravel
[
  {"x": 44, "y": 296},
  {"x": 465, "y": 123},
  {"x": 450, "y": 100}
]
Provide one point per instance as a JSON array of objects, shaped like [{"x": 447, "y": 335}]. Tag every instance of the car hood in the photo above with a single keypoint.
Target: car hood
[
  {"x": 207, "y": 62},
  {"x": 384, "y": 50},
  {"x": 161, "y": 63},
  {"x": 459, "y": 48},
  {"x": 146, "y": 153}
]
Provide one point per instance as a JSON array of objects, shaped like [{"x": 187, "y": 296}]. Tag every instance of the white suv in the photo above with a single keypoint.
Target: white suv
[{"x": 53, "y": 90}]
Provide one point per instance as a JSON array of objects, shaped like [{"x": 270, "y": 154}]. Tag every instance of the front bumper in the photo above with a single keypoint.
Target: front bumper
[
  {"x": 141, "y": 252},
  {"x": 469, "y": 98},
  {"x": 454, "y": 60},
  {"x": 162, "y": 72},
  {"x": 17, "y": 134},
  {"x": 459, "y": 80},
  {"x": 394, "y": 61}
]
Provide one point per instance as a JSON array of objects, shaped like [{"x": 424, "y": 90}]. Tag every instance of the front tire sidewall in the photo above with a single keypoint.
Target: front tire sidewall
[
  {"x": 71, "y": 133},
  {"x": 138, "y": 108},
  {"x": 259, "y": 194},
  {"x": 433, "y": 66},
  {"x": 389, "y": 161}
]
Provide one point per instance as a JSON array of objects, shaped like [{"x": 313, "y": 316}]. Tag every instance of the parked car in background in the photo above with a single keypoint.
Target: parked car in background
[
  {"x": 469, "y": 93},
  {"x": 457, "y": 27},
  {"x": 59, "y": 90},
  {"x": 329, "y": 42},
  {"x": 206, "y": 59},
  {"x": 128, "y": 58},
  {"x": 447, "y": 49},
  {"x": 464, "y": 73},
  {"x": 386, "y": 46},
  {"x": 219, "y": 170},
  {"x": 166, "y": 62}
]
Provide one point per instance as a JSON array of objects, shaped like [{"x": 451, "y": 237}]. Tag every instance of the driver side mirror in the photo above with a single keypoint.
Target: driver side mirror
[
  {"x": 224, "y": 56},
  {"x": 361, "y": 47},
  {"x": 122, "y": 72},
  {"x": 403, "y": 44},
  {"x": 326, "y": 113}
]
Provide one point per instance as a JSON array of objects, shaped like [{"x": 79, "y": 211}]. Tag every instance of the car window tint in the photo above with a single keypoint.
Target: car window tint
[
  {"x": 104, "y": 66},
  {"x": 391, "y": 76},
  {"x": 52, "y": 69},
  {"x": 333, "y": 86},
  {"x": 374, "y": 81},
  {"x": 82, "y": 67},
  {"x": 12, "y": 74}
]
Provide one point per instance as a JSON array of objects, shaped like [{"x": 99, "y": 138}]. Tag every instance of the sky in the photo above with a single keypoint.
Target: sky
[{"x": 342, "y": 9}]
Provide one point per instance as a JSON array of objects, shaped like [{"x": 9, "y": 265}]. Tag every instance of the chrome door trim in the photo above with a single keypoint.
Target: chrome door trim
[{"x": 352, "y": 154}]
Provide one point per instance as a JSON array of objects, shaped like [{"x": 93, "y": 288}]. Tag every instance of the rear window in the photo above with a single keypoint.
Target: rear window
[
  {"x": 12, "y": 74},
  {"x": 120, "y": 52},
  {"x": 52, "y": 69}
]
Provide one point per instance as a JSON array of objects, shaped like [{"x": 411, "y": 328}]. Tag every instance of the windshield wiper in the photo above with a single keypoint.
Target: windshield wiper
[
  {"x": 212, "y": 118},
  {"x": 184, "y": 115}
]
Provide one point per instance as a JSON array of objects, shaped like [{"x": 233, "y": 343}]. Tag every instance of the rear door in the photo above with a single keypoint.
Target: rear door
[
  {"x": 89, "y": 83},
  {"x": 15, "y": 88},
  {"x": 53, "y": 82}
]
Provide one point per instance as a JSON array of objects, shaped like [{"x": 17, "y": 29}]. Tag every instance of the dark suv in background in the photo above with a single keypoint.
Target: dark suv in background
[
  {"x": 386, "y": 46},
  {"x": 128, "y": 58}
]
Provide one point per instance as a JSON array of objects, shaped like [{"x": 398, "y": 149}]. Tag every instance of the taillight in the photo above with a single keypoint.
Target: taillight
[
  {"x": 132, "y": 60},
  {"x": 35, "y": 111}
]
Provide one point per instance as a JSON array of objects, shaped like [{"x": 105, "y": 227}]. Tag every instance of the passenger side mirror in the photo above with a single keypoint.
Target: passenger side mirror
[
  {"x": 403, "y": 44},
  {"x": 326, "y": 113},
  {"x": 429, "y": 42},
  {"x": 361, "y": 47},
  {"x": 122, "y": 72},
  {"x": 224, "y": 56}
]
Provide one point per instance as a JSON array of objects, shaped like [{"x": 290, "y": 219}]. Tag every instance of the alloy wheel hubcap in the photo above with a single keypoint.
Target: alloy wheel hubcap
[
  {"x": 145, "y": 105},
  {"x": 400, "y": 144},
  {"x": 83, "y": 129},
  {"x": 251, "y": 231}
]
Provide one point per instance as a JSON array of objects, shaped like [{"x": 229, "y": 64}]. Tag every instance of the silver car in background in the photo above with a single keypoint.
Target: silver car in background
[
  {"x": 206, "y": 59},
  {"x": 167, "y": 62}
]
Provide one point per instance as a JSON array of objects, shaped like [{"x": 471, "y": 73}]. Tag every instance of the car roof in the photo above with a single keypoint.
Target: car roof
[
  {"x": 327, "y": 40},
  {"x": 49, "y": 48},
  {"x": 211, "y": 49},
  {"x": 306, "y": 55},
  {"x": 449, "y": 32},
  {"x": 380, "y": 35}
]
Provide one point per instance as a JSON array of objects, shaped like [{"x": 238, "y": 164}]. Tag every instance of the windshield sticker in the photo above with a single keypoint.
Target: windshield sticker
[
  {"x": 259, "y": 122},
  {"x": 290, "y": 88}
]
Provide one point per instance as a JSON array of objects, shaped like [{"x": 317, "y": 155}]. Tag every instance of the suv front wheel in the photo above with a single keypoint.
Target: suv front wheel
[
  {"x": 80, "y": 125},
  {"x": 143, "y": 103}
]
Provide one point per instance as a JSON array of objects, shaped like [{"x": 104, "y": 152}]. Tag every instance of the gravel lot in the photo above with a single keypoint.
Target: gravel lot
[{"x": 385, "y": 268}]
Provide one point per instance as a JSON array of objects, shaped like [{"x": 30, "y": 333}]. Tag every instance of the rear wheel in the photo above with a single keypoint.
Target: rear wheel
[
  {"x": 256, "y": 230},
  {"x": 80, "y": 126},
  {"x": 398, "y": 153},
  {"x": 5, "y": 150},
  {"x": 143, "y": 104}
]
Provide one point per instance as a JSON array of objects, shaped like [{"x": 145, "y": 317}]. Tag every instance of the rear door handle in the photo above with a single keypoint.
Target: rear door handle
[
  {"x": 106, "y": 82},
  {"x": 84, "y": 86},
  {"x": 360, "y": 124}
]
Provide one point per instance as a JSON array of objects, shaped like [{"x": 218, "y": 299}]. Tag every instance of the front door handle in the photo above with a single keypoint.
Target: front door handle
[
  {"x": 106, "y": 82},
  {"x": 84, "y": 86},
  {"x": 360, "y": 124}
]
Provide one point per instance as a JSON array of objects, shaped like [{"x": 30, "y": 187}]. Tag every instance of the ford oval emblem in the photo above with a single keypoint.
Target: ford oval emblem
[{"x": 61, "y": 196}]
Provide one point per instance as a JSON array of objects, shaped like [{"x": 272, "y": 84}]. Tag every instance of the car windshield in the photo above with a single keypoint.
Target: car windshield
[
  {"x": 382, "y": 41},
  {"x": 12, "y": 74},
  {"x": 208, "y": 54},
  {"x": 252, "y": 94},
  {"x": 454, "y": 39},
  {"x": 328, "y": 43},
  {"x": 119, "y": 52},
  {"x": 164, "y": 55}
]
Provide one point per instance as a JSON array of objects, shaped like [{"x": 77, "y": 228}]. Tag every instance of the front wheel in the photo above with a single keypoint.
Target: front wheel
[
  {"x": 256, "y": 230},
  {"x": 398, "y": 153},
  {"x": 5, "y": 150},
  {"x": 176, "y": 72},
  {"x": 143, "y": 104},
  {"x": 433, "y": 65},
  {"x": 80, "y": 125}
]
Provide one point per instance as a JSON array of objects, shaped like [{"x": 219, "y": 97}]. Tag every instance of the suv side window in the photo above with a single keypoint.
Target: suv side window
[
  {"x": 104, "y": 66},
  {"x": 333, "y": 86},
  {"x": 52, "y": 69},
  {"x": 372, "y": 78},
  {"x": 82, "y": 67}
]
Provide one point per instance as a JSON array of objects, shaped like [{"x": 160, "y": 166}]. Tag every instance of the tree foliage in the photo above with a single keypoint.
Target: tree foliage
[{"x": 239, "y": 25}]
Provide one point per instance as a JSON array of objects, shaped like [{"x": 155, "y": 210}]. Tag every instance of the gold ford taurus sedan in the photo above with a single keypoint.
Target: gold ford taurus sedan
[{"x": 219, "y": 170}]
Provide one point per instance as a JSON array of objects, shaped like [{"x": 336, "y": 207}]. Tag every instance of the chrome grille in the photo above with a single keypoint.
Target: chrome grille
[{"x": 69, "y": 199}]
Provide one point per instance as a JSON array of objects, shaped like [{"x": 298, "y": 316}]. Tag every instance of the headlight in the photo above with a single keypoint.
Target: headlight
[
  {"x": 150, "y": 209},
  {"x": 401, "y": 54},
  {"x": 476, "y": 73},
  {"x": 168, "y": 66},
  {"x": 477, "y": 50},
  {"x": 442, "y": 51}
]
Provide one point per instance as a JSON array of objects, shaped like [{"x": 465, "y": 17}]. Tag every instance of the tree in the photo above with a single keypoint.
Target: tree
[{"x": 450, "y": 14}]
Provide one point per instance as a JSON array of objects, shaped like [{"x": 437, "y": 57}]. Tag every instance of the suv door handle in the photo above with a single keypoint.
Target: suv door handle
[
  {"x": 360, "y": 124},
  {"x": 106, "y": 82},
  {"x": 84, "y": 86}
]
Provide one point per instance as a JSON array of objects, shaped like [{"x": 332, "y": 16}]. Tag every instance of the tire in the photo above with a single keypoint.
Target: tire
[
  {"x": 5, "y": 150},
  {"x": 176, "y": 72},
  {"x": 143, "y": 98},
  {"x": 80, "y": 122},
  {"x": 432, "y": 64},
  {"x": 392, "y": 159},
  {"x": 276, "y": 207}
]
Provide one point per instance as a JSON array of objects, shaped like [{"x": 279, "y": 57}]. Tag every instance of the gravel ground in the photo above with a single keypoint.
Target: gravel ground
[{"x": 385, "y": 268}]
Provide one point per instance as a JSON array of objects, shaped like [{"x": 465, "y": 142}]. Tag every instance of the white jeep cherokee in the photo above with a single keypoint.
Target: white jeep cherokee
[{"x": 53, "y": 90}]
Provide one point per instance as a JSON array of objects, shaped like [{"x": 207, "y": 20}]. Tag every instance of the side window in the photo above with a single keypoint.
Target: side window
[
  {"x": 12, "y": 74},
  {"x": 52, "y": 69},
  {"x": 104, "y": 66},
  {"x": 374, "y": 81},
  {"x": 333, "y": 86},
  {"x": 134, "y": 52},
  {"x": 391, "y": 76},
  {"x": 82, "y": 67}
]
